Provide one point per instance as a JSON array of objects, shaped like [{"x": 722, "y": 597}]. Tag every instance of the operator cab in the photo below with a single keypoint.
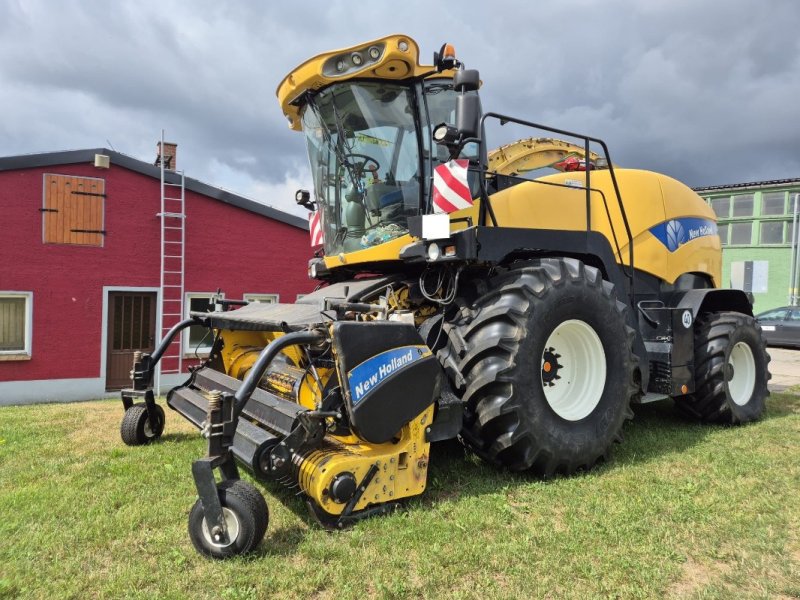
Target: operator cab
[
  {"x": 371, "y": 154},
  {"x": 368, "y": 115}
]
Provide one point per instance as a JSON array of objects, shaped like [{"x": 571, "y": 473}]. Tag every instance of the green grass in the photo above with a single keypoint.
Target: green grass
[{"x": 681, "y": 510}]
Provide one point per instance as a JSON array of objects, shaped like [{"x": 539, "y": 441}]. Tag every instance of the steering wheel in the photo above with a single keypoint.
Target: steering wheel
[{"x": 360, "y": 168}]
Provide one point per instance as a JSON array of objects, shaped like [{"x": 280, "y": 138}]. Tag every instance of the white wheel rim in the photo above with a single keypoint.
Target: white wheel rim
[
  {"x": 574, "y": 385},
  {"x": 742, "y": 380},
  {"x": 231, "y": 522},
  {"x": 148, "y": 431}
]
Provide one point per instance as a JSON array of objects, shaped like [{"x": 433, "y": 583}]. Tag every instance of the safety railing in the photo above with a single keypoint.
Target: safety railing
[{"x": 486, "y": 206}]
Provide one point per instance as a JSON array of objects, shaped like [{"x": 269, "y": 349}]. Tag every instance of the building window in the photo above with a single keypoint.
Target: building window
[
  {"x": 741, "y": 234},
  {"x": 790, "y": 233},
  {"x": 773, "y": 203},
  {"x": 262, "y": 298},
  {"x": 722, "y": 207},
  {"x": 771, "y": 232},
  {"x": 15, "y": 325},
  {"x": 722, "y": 231},
  {"x": 742, "y": 206},
  {"x": 198, "y": 339},
  {"x": 73, "y": 210}
]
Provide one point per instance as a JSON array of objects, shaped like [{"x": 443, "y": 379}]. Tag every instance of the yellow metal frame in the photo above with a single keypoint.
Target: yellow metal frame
[{"x": 402, "y": 466}]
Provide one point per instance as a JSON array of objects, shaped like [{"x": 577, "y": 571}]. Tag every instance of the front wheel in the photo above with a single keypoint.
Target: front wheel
[
  {"x": 135, "y": 429},
  {"x": 731, "y": 370},
  {"x": 246, "y": 518},
  {"x": 544, "y": 364}
]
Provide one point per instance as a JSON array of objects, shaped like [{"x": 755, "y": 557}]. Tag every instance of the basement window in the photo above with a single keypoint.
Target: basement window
[
  {"x": 72, "y": 212},
  {"x": 197, "y": 340},
  {"x": 262, "y": 298},
  {"x": 16, "y": 325}
]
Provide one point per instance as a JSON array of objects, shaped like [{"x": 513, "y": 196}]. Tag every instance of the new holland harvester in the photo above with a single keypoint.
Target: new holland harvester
[{"x": 458, "y": 297}]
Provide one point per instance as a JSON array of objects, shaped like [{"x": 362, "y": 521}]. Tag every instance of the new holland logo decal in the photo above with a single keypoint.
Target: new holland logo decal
[
  {"x": 677, "y": 232},
  {"x": 370, "y": 373}
]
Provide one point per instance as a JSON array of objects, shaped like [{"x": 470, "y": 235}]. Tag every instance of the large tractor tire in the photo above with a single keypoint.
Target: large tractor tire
[
  {"x": 730, "y": 370},
  {"x": 543, "y": 359}
]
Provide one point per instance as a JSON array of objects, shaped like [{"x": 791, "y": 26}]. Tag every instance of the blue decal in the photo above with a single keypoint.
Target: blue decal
[
  {"x": 675, "y": 233},
  {"x": 373, "y": 371}
]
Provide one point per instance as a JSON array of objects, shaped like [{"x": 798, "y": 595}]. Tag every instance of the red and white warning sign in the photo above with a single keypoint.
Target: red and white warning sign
[
  {"x": 315, "y": 228},
  {"x": 450, "y": 187}
]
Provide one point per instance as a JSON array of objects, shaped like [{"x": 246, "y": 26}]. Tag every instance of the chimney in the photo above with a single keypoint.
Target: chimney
[{"x": 168, "y": 155}]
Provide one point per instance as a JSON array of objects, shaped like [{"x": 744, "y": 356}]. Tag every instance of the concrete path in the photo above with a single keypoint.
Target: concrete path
[{"x": 785, "y": 368}]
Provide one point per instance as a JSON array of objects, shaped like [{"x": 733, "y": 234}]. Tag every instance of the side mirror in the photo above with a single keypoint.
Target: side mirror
[
  {"x": 468, "y": 115},
  {"x": 466, "y": 80}
]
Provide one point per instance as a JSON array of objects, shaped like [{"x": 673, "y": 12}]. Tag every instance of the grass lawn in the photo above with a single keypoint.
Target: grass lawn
[{"x": 681, "y": 510}]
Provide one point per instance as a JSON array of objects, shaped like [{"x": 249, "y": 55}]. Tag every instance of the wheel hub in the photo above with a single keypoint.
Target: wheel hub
[
  {"x": 231, "y": 524},
  {"x": 550, "y": 367}
]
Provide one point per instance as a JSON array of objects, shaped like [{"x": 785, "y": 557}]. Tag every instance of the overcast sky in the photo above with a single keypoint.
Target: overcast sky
[{"x": 705, "y": 91}]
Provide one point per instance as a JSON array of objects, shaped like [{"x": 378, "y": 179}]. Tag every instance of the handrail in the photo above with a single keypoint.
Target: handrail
[{"x": 486, "y": 204}]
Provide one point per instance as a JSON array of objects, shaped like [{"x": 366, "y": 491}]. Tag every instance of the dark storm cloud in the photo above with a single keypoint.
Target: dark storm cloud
[{"x": 704, "y": 91}]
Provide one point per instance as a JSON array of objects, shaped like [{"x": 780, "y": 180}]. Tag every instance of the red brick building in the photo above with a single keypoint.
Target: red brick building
[{"x": 93, "y": 262}]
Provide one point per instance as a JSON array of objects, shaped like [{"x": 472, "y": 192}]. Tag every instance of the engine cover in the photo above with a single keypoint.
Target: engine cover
[{"x": 388, "y": 375}]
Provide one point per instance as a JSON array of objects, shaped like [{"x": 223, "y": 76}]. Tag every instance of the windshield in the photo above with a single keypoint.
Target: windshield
[{"x": 365, "y": 162}]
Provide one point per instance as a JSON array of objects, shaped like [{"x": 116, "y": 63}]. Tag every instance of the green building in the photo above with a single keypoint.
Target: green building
[{"x": 757, "y": 224}]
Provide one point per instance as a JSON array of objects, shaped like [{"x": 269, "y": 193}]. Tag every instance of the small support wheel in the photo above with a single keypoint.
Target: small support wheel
[
  {"x": 135, "y": 429},
  {"x": 246, "y": 518}
]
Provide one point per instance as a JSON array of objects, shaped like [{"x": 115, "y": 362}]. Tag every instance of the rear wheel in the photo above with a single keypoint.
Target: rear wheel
[
  {"x": 136, "y": 430},
  {"x": 731, "y": 370},
  {"x": 544, "y": 363},
  {"x": 246, "y": 519}
]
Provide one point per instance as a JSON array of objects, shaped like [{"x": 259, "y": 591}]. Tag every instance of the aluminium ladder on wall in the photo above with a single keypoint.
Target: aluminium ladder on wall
[{"x": 173, "y": 258}]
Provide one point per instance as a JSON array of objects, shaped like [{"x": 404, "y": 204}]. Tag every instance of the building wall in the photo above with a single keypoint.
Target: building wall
[
  {"x": 769, "y": 281},
  {"x": 777, "y": 269},
  {"x": 226, "y": 247}
]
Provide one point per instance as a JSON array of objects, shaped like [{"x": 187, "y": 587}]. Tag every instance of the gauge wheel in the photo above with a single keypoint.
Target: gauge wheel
[
  {"x": 135, "y": 429},
  {"x": 246, "y": 518}
]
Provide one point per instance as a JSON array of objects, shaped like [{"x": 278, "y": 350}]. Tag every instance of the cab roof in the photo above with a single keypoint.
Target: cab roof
[{"x": 393, "y": 57}]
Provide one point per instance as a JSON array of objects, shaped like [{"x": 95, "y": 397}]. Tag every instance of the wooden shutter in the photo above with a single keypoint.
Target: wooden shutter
[{"x": 73, "y": 210}]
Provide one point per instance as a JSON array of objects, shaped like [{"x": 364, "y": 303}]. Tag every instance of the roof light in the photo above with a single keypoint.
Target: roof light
[
  {"x": 374, "y": 52},
  {"x": 357, "y": 59},
  {"x": 340, "y": 65},
  {"x": 402, "y": 46}
]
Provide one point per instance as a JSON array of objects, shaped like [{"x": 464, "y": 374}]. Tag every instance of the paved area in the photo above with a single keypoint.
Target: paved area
[{"x": 785, "y": 368}]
